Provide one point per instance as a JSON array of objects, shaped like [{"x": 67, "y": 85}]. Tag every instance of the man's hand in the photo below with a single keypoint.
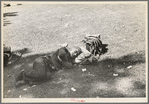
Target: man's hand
[{"x": 67, "y": 64}]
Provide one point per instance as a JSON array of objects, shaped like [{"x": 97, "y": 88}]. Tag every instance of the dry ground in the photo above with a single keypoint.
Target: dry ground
[{"x": 36, "y": 30}]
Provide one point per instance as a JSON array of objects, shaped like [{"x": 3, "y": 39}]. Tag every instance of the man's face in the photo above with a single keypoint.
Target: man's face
[{"x": 75, "y": 53}]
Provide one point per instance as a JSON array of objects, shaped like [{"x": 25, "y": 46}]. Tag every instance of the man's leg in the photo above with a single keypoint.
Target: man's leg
[{"x": 37, "y": 74}]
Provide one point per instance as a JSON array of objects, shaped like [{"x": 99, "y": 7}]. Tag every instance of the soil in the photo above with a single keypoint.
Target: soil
[{"x": 38, "y": 29}]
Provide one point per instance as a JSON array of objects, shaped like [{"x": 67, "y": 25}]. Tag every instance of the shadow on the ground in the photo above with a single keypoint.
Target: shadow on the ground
[
  {"x": 7, "y": 5},
  {"x": 112, "y": 64},
  {"x": 119, "y": 65},
  {"x": 5, "y": 23},
  {"x": 109, "y": 71},
  {"x": 103, "y": 72},
  {"x": 9, "y": 14}
]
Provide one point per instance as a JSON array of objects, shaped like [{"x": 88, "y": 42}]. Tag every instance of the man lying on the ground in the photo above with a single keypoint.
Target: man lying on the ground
[{"x": 46, "y": 64}]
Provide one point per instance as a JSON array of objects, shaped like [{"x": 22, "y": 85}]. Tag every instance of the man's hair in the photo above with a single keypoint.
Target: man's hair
[
  {"x": 78, "y": 48},
  {"x": 74, "y": 48}
]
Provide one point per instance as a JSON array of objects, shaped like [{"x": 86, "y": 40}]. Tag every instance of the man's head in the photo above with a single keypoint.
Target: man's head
[{"x": 75, "y": 51}]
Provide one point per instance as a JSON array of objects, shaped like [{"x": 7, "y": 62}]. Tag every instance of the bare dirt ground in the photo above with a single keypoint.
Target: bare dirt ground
[{"x": 36, "y": 30}]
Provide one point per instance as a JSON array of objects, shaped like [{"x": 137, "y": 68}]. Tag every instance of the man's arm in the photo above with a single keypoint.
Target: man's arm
[
  {"x": 65, "y": 57},
  {"x": 82, "y": 57},
  {"x": 67, "y": 64}
]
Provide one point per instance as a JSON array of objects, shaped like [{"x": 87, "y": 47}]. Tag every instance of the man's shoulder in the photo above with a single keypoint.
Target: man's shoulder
[{"x": 63, "y": 50}]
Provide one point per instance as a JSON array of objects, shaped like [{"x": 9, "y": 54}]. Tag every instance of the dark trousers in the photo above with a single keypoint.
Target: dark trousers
[{"x": 41, "y": 66}]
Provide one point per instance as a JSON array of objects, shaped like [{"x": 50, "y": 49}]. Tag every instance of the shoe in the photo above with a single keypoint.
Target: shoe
[
  {"x": 20, "y": 76},
  {"x": 14, "y": 57},
  {"x": 20, "y": 83}
]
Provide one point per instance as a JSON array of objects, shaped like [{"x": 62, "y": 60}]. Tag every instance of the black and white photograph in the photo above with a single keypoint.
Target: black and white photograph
[{"x": 76, "y": 52}]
